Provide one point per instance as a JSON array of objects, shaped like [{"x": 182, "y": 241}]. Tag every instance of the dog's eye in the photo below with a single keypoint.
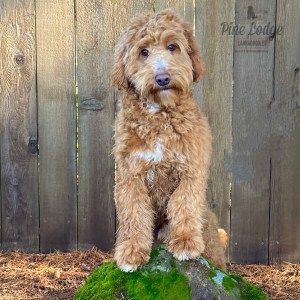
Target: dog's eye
[
  {"x": 171, "y": 47},
  {"x": 145, "y": 52}
]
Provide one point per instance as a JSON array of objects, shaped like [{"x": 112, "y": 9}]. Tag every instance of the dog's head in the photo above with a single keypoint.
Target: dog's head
[{"x": 157, "y": 55}]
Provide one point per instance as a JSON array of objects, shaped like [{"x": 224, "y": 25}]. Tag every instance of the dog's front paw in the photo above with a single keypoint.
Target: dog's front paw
[
  {"x": 127, "y": 268},
  {"x": 129, "y": 256},
  {"x": 185, "y": 249}
]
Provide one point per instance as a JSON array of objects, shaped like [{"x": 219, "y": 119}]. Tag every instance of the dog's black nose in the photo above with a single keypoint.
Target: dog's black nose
[{"x": 163, "y": 79}]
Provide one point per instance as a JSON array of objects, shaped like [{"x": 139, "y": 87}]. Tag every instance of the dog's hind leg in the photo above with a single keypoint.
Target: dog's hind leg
[{"x": 215, "y": 240}]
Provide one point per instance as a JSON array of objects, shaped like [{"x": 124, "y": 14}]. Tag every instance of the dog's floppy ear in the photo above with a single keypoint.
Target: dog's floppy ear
[
  {"x": 198, "y": 66},
  {"x": 118, "y": 74},
  {"x": 118, "y": 78}
]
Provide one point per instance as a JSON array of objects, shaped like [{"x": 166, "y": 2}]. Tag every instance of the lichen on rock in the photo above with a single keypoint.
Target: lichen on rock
[{"x": 165, "y": 278}]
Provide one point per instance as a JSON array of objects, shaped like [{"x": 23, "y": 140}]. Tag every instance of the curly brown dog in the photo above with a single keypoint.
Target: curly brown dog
[{"x": 163, "y": 145}]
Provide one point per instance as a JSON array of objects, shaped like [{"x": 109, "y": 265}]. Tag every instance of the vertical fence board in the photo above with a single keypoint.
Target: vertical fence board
[
  {"x": 19, "y": 190},
  {"x": 285, "y": 154},
  {"x": 56, "y": 124},
  {"x": 184, "y": 8},
  {"x": 252, "y": 92},
  {"x": 95, "y": 39},
  {"x": 216, "y": 97},
  {"x": 98, "y": 26}
]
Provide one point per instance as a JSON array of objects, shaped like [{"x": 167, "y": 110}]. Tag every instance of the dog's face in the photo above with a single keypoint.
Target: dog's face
[{"x": 156, "y": 56}]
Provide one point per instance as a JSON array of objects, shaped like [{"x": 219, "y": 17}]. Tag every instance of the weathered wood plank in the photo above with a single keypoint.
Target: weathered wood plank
[
  {"x": 215, "y": 97},
  {"x": 98, "y": 26},
  {"x": 56, "y": 124},
  {"x": 95, "y": 39},
  {"x": 18, "y": 126},
  {"x": 252, "y": 92},
  {"x": 184, "y": 8},
  {"x": 285, "y": 143}
]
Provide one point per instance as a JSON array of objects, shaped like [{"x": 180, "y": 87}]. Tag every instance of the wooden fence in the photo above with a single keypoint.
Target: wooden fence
[{"x": 57, "y": 173}]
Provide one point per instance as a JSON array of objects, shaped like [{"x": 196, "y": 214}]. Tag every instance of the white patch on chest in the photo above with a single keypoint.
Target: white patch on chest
[
  {"x": 155, "y": 156},
  {"x": 152, "y": 107}
]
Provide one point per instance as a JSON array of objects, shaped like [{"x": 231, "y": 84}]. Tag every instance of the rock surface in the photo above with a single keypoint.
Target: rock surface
[{"x": 165, "y": 278}]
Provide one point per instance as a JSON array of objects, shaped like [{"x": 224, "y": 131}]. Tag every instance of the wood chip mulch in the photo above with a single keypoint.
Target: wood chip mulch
[
  {"x": 280, "y": 282},
  {"x": 58, "y": 275},
  {"x": 45, "y": 276}
]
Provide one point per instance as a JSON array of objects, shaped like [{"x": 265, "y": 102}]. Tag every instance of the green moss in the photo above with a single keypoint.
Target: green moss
[
  {"x": 109, "y": 282},
  {"x": 251, "y": 292},
  {"x": 103, "y": 281},
  {"x": 156, "y": 251},
  {"x": 158, "y": 285},
  {"x": 212, "y": 273},
  {"x": 160, "y": 279},
  {"x": 248, "y": 290},
  {"x": 228, "y": 283}
]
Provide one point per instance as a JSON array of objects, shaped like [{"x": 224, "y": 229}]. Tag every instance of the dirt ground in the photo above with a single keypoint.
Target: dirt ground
[{"x": 58, "y": 275}]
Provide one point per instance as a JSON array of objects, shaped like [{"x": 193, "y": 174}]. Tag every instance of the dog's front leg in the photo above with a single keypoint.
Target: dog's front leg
[
  {"x": 135, "y": 222},
  {"x": 185, "y": 213}
]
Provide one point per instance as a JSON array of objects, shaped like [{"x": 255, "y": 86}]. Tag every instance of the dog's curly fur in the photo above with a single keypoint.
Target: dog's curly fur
[{"x": 163, "y": 145}]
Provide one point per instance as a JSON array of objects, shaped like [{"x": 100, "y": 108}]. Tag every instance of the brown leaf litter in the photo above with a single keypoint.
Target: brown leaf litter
[{"x": 58, "y": 275}]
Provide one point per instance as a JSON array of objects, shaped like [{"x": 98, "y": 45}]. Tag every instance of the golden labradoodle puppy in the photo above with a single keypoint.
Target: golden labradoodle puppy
[{"x": 163, "y": 145}]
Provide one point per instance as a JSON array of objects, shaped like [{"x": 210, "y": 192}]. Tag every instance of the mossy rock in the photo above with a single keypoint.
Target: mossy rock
[{"x": 165, "y": 278}]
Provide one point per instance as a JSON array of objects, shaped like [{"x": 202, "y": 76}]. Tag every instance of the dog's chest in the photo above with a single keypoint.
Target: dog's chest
[
  {"x": 161, "y": 182},
  {"x": 161, "y": 152},
  {"x": 154, "y": 154},
  {"x": 161, "y": 141}
]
